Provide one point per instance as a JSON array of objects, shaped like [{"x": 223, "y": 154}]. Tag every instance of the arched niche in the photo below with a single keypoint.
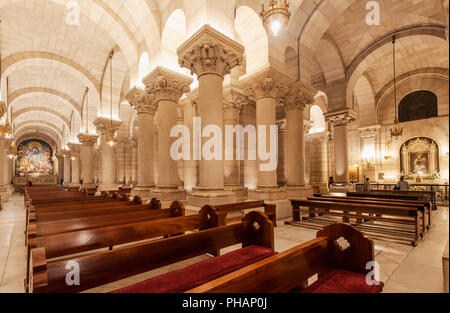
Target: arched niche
[
  {"x": 419, "y": 157},
  {"x": 317, "y": 119},
  {"x": 35, "y": 158}
]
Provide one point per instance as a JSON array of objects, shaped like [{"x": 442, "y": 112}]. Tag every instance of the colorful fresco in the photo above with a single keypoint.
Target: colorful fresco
[{"x": 35, "y": 158}]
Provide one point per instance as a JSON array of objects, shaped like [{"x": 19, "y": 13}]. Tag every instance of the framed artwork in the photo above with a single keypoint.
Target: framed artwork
[
  {"x": 35, "y": 159},
  {"x": 419, "y": 163}
]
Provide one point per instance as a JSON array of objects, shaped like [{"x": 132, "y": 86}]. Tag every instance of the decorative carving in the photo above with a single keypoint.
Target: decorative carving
[
  {"x": 369, "y": 132},
  {"x": 209, "y": 51},
  {"x": 267, "y": 84},
  {"x": 166, "y": 85},
  {"x": 103, "y": 124},
  {"x": 143, "y": 102},
  {"x": 341, "y": 118},
  {"x": 87, "y": 139},
  {"x": 234, "y": 101},
  {"x": 299, "y": 97}
]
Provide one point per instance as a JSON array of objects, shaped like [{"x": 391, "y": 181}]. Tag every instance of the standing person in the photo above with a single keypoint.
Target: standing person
[
  {"x": 330, "y": 181},
  {"x": 402, "y": 185},
  {"x": 366, "y": 187}
]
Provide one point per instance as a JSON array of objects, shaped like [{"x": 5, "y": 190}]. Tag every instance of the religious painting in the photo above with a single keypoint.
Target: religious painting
[
  {"x": 35, "y": 159},
  {"x": 419, "y": 163}
]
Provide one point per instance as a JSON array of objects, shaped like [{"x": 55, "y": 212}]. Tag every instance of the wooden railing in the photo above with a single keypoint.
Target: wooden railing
[{"x": 41, "y": 180}]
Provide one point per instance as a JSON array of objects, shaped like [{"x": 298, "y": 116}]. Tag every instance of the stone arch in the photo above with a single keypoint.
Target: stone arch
[
  {"x": 45, "y": 134},
  {"x": 41, "y": 125},
  {"x": 254, "y": 37},
  {"x": 364, "y": 95},
  {"x": 48, "y": 115},
  {"x": 317, "y": 118},
  {"x": 144, "y": 68},
  {"x": 173, "y": 36},
  {"x": 290, "y": 62}
]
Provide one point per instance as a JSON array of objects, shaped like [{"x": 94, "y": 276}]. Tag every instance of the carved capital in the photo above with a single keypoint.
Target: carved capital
[
  {"x": 103, "y": 125},
  {"x": 165, "y": 84},
  {"x": 87, "y": 139},
  {"x": 234, "y": 100},
  {"x": 141, "y": 101},
  {"x": 268, "y": 83},
  {"x": 209, "y": 51},
  {"x": 341, "y": 118},
  {"x": 282, "y": 126},
  {"x": 369, "y": 132},
  {"x": 299, "y": 97}
]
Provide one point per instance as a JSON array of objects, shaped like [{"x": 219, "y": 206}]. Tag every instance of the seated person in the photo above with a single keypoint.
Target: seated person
[{"x": 402, "y": 185}]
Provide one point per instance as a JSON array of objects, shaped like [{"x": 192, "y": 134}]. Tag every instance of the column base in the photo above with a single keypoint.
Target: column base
[
  {"x": 342, "y": 188},
  {"x": 240, "y": 192},
  {"x": 145, "y": 193},
  {"x": 169, "y": 194},
  {"x": 201, "y": 197},
  {"x": 106, "y": 188},
  {"x": 299, "y": 191},
  {"x": 267, "y": 193}
]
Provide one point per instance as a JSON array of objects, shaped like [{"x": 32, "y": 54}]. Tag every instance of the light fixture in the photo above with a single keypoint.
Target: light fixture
[
  {"x": 12, "y": 150},
  {"x": 397, "y": 130},
  {"x": 388, "y": 154},
  {"x": 111, "y": 133},
  {"x": 277, "y": 17}
]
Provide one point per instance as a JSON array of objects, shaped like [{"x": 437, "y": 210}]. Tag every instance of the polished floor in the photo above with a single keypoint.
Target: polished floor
[{"x": 403, "y": 268}]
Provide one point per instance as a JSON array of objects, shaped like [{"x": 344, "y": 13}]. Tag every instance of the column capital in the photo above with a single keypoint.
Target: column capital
[
  {"x": 268, "y": 83},
  {"x": 209, "y": 51},
  {"x": 307, "y": 125},
  {"x": 234, "y": 100},
  {"x": 74, "y": 147},
  {"x": 341, "y": 118},
  {"x": 282, "y": 126},
  {"x": 165, "y": 84},
  {"x": 103, "y": 124},
  {"x": 299, "y": 96},
  {"x": 87, "y": 139},
  {"x": 370, "y": 131},
  {"x": 141, "y": 101}
]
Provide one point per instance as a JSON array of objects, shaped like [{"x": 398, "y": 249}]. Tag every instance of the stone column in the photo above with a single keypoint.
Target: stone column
[
  {"x": 86, "y": 158},
  {"x": 60, "y": 159},
  {"x": 167, "y": 87},
  {"x": 146, "y": 107},
  {"x": 267, "y": 87},
  {"x": 282, "y": 152},
  {"x": 107, "y": 154},
  {"x": 75, "y": 161},
  {"x": 210, "y": 55},
  {"x": 318, "y": 143},
  {"x": 298, "y": 98},
  {"x": 5, "y": 191},
  {"x": 128, "y": 153},
  {"x": 341, "y": 120},
  {"x": 120, "y": 162},
  {"x": 134, "y": 162},
  {"x": 232, "y": 173},
  {"x": 67, "y": 172}
]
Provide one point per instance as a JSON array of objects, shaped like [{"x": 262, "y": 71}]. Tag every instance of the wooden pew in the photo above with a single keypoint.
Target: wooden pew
[
  {"x": 401, "y": 215},
  {"x": 269, "y": 209},
  {"x": 62, "y": 244},
  {"x": 288, "y": 270},
  {"x": 102, "y": 268},
  {"x": 420, "y": 207},
  {"x": 427, "y": 206},
  {"x": 426, "y": 196}
]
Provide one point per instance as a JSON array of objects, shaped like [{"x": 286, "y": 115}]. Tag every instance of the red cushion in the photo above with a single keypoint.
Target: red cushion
[
  {"x": 340, "y": 281},
  {"x": 200, "y": 273}
]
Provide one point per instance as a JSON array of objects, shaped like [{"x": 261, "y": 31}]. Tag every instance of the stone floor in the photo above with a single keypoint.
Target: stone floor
[{"x": 403, "y": 268}]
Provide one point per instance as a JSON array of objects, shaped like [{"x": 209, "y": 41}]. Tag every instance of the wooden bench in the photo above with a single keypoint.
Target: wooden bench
[
  {"x": 426, "y": 196},
  {"x": 341, "y": 269},
  {"x": 426, "y": 205},
  {"x": 399, "y": 215},
  {"x": 269, "y": 209},
  {"x": 419, "y": 206},
  {"x": 102, "y": 268}
]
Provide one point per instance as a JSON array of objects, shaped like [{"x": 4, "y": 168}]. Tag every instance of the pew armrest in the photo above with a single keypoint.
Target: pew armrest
[{"x": 38, "y": 271}]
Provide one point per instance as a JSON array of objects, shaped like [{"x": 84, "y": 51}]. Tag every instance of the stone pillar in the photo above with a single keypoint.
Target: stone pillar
[
  {"x": 87, "y": 158},
  {"x": 210, "y": 55},
  {"x": 60, "y": 159},
  {"x": 134, "y": 163},
  {"x": 120, "y": 162},
  {"x": 298, "y": 98},
  {"x": 341, "y": 120},
  {"x": 67, "y": 172},
  {"x": 167, "y": 87},
  {"x": 5, "y": 191},
  {"x": 146, "y": 107},
  {"x": 307, "y": 124},
  {"x": 191, "y": 165},
  {"x": 108, "y": 181},
  {"x": 318, "y": 163},
  {"x": 128, "y": 153},
  {"x": 232, "y": 166},
  {"x": 75, "y": 162},
  {"x": 282, "y": 152},
  {"x": 267, "y": 87}
]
